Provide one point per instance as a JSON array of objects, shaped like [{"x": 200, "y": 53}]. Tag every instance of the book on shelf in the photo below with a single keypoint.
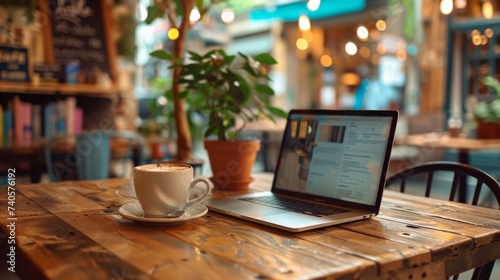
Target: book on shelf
[
  {"x": 18, "y": 119},
  {"x": 70, "y": 108},
  {"x": 49, "y": 120},
  {"x": 78, "y": 120},
  {"x": 1, "y": 125},
  {"x": 61, "y": 121},
  {"x": 28, "y": 122},
  {"x": 62, "y": 118},
  {"x": 8, "y": 125},
  {"x": 37, "y": 122}
]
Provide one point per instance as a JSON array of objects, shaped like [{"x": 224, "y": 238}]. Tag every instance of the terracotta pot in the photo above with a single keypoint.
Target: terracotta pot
[
  {"x": 232, "y": 162},
  {"x": 488, "y": 130}
]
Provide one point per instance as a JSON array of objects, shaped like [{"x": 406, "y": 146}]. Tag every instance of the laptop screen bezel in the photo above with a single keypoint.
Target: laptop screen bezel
[{"x": 393, "y": 114}]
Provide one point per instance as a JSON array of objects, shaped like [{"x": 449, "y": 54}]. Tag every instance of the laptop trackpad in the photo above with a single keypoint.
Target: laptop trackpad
[
  {"x": 241, "y": 208},
  {"x": 293, "y": 220}
]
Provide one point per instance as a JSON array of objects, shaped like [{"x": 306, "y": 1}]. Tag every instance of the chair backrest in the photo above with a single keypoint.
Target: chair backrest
[
  {"x": 457, "y": 169},
  {"x": 87, "y": 156},
  {"x": 460, "y": 172}
]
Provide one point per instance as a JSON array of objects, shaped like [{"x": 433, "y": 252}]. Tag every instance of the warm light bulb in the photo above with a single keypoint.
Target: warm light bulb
[
  {"x": 304, "y": 23},
  {"x": 313, "y": 5},
  {"x": 446, "y": 6},
  {"x": 487, "y": 10},
  {"x": 381, "y": 25},
  {"x": 476, "y": 40},
  {"x": 302, "y": 44},
  {"x": 173, "y": 33},
  {"x": 326, "y": 60},
  {"x": 460, "y": 4},
  {"x": 401, "y": 55},
  {"x": 362, "y": 33},
  {"x": 489, "y": 32},
  {"x": 351, "y": 48},
  {"x": 195, "y": 15},
  {"x": 484, "y": 40},
  {"x": 227, "y": 15}
]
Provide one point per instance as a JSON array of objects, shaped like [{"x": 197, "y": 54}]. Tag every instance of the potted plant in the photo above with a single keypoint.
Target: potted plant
[
  {"x": 230, "y": 90},
  {"x": 487, "y": 112}
]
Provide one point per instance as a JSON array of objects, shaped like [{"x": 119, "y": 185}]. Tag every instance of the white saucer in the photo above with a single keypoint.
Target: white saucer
[{"x": 134, "y": 212}]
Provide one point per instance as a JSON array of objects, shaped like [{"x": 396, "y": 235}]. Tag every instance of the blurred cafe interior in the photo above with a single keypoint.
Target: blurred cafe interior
[{"x": 428, "y": 59}]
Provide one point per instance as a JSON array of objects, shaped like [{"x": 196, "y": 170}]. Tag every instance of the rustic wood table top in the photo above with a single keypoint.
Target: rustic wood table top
[{"x": 71, "y": 230}]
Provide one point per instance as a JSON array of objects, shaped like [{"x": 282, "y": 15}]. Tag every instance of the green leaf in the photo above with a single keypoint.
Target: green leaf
[
  {"x": 492, "y": 82},
  {"x": 250, "y": 70},
  {"x": 495, "y": 108},
  {"x": 211, "y": 130},
  {"x": 278, "y": 112},
  {"x": 210, "y": 53},
  {"x": 195, "y": 56},
  {"x": 244, "y": 56},
  {"x": 265, "y": 89},
  {"x": 153, "y": 13},
  {"x": 179, "y": 7},
  {"x": 169, "y": 94},
  {"x": 162, "y": 54},
  {"x": 199, "y": 5},
  {"x": 265, "y": 58},
  {"x": 244, "y": 86},
  {"x": 183, "y": 94}
]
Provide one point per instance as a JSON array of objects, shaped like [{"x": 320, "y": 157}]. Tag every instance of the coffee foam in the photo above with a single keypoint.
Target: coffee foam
[{"x": 164, "y": 167}]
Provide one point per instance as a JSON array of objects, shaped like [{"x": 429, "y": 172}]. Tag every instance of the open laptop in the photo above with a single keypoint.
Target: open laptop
[{"x": 331, "y": 169}]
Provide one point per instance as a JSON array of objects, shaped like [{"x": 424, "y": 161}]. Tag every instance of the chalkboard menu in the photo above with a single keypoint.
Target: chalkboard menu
[
  {"x": 78, "y": 31},
  {"x": 14, "y": 64}
]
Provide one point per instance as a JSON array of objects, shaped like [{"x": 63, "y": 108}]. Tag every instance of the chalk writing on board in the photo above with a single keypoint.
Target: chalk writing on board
[{"x": 78, "y": 34}]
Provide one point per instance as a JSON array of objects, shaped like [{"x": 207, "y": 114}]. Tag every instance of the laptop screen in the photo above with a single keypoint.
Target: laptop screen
[{"x": 335, "y": 155}]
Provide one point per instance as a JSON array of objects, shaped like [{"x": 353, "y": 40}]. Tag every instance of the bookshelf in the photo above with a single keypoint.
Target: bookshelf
[
  {"x": 25, "y": 151},
  {"x": 61, "y": 89},
  {"x": 40, "y": 73},
  {"x": 93, "y": 103}
]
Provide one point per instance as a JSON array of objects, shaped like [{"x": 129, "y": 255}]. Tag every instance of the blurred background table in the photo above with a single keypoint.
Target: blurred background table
[{"x": 441, "y": 140}]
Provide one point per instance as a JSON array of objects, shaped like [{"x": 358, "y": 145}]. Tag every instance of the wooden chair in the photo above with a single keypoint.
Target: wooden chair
[
  {"x": 88, "y": 156},
  {"x": 458, "y": 170}
]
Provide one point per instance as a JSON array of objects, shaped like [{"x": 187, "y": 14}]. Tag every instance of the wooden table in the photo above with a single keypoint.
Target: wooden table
[
  {"x": 72, "y": 230},
  {"x": 441, "y": 140}
]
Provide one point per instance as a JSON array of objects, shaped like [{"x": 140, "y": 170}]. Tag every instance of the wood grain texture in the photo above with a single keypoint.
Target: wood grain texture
[
  {"x": 439, "y": 208},
  {"x": 23, "y": 206},
  {"x": 272, "y": 253},
  {"x": 59, "y": 251},
  {"x": 149, "y": 250},
  {"x": 386, "y": 253}
]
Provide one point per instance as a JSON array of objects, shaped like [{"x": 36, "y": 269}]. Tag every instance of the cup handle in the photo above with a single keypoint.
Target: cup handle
[{"x": 201, "y": 197}]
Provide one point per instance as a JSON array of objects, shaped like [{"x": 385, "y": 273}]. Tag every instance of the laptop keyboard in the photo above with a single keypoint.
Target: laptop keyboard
[{"x": 295, "y": 205}]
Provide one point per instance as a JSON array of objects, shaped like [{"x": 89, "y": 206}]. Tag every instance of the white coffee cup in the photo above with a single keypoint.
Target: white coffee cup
[{"x": 164, "y": 188}]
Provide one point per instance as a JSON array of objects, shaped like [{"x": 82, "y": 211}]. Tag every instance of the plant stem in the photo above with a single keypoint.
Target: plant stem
[{"x": 184, "y": 145}]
